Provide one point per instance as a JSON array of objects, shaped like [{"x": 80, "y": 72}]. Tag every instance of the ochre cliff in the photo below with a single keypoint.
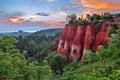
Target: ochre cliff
[{"x": 75, "y": 41}]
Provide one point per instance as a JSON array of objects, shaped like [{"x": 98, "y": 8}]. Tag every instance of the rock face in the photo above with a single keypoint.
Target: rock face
[
  {"x": 102, "y": 38},
  {"x": 75, "y": 41},
  {"x": 66, "y": 39}
]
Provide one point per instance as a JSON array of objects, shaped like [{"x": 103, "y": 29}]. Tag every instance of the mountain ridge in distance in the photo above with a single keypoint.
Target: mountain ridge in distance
[
  {"x": 48, "y": 31},
  {"x": 41, "y": 32}
]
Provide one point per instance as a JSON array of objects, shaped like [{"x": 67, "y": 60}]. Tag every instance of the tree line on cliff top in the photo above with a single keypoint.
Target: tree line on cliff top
[
  {"x": 96, "y": 19},
  {"x": 92, "y": 19}
]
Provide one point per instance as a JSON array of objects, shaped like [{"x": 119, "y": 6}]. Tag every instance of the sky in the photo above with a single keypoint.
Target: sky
[{"x": 35, "y": 15}]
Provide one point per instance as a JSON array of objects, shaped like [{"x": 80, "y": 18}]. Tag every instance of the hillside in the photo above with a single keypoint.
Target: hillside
[
  {"x": 16, "y": 34},
  {"x": 41, "y": 32},
  {"x": 105, "y": 65},
  {"x": 48, "y": 31}
]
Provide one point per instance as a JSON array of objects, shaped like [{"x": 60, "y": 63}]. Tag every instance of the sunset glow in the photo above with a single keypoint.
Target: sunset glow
[
  {"x": 100, "y": 4},
  {"x": 14, "y": 20}
]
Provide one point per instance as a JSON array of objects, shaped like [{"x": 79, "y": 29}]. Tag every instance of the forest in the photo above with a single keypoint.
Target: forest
[{"x": 34, "y": 57}]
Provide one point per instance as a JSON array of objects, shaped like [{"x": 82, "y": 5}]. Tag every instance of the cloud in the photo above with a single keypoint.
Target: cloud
[
  {"x": 100, "y": 4},
  {"x": 50, "y": 0},
  {"x": 11, "y": 14},
  {"x": 35, "y": 23},
  {"x": 2, "y": 13},
  {"x": 97, "y": 6},
  {"x": 95, "y": 11},
  {"x": 57, "y": 23},
  {"x": 14, "y": 20},
  {"x": 11, "y": 17},
  {"x": 43, "y": 14},
  {"x": 61, "y": 13}
]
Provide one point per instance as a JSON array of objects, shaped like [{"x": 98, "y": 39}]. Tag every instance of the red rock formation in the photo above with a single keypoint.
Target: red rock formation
[
  {"x": 77, "y": 40},
  {"x": 76, "y": 48},
  {"x": 62, "y": 38},
  {"x": 66, "y": 39},
  {"x": 106, "y": 37},
  {"x": 70, "y": 36},
  {"x": 88, "y": 40},
  {"x": 102, "y": 38}
]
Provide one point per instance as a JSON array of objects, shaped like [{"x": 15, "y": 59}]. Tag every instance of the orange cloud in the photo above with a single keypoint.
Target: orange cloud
[
  {"x": 15, "y": 20},
  {"x": 100, "y": 4},
  {"x": 95, "y": 11}
]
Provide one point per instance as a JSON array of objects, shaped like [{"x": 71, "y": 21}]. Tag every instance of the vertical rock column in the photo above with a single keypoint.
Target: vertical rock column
[
  {"x": 60, "y": 48},
  {"x": 88, "y": 40},
  {"x": 102, "y": 38},
  {"x": 69, "y": 38},
  {"x": 76, "y": 46}
]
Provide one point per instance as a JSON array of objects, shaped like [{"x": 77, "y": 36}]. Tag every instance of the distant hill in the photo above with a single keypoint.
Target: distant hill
[
  {"x": 48, "y": 31},
  {"x": 16, "y": 34},
  {"x": 41, "y": 32}
]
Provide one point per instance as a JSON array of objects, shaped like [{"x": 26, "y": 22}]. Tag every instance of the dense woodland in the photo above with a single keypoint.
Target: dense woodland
[{"x": 34, "y": 57}]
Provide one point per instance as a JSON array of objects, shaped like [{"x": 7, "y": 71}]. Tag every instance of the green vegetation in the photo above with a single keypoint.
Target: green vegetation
[
  {"x": 101, "y": 66},
  {"x": 16, "y": 34},
  {"x": 33, "y": 57},
  {"x": 56, "y": 62},
  {"x": 48, "y": 32},
  {"x": 14, "y": 66},
  {"x": 93, "y": 19},
  {"x": 105, "y": 65}
]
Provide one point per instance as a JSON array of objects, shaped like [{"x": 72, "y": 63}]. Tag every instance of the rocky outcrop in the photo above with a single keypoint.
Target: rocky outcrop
[
  {"x": 62, "y": 39},
  {"x": 66, "y": 39},
  {"x": 102, "y": 38},
  {"x": 75, "y": 41},
  {"x": 88, "y": 40},
  {"x": 77, "y": 46}
]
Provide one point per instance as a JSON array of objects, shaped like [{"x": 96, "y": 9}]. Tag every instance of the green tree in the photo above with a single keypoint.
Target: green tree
[
  {"x": 14, "y": 66},
  {"x": 72, "y": 19},
  {"x": 56, "y": 62},
  {"x": 115, "y": 39},
  {"x": 7, "y": 43}
]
